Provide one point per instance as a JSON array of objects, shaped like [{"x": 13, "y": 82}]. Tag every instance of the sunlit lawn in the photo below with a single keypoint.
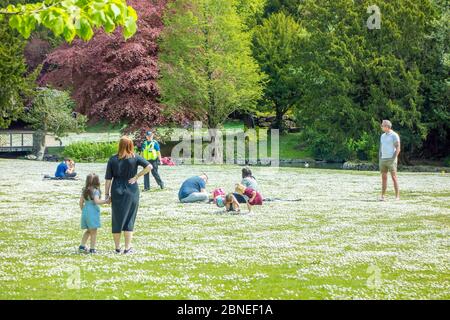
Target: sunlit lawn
[{"x": 337, "y": 243}]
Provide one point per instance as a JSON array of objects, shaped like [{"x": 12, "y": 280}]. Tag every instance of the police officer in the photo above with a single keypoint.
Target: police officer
[{"x": 151, "y": 152}]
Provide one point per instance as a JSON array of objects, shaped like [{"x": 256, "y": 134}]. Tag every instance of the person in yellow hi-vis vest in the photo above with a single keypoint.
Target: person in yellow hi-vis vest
[{"x": 151, "y": 152}]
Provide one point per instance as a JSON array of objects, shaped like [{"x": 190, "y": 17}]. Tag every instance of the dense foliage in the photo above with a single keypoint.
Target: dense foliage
[
  {"x": 71, "y": 18},
  {"x": 113, "y": 79},
  {"x": 91, "y": 152},
  {"x": 53, "y": 112},
  {"x": 206, "y": 60},
  {"x": 354, "y": 77},
  {"x": 276, "y": 43},
  {"x": 16, "y": 87}
]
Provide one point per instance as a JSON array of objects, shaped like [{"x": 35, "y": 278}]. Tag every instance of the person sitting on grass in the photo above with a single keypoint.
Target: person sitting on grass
[
  {"x": 90, "y": 212},
  {"x": 254, "y": 197},
  {"x": 194, "y": 190},
  {"x": 249, "y": 181},
  {"x": 66, "y": 169}
]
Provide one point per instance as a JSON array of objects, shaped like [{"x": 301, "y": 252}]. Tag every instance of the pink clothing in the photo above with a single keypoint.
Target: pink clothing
[
  {"x": 167, "y": 162},
  {"x": 258, "y": 201}
]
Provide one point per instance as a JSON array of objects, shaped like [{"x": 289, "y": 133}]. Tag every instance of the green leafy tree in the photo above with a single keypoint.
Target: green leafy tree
[
  {"x": 276, "y": 45},
  {"x": 289, "y": 7},
  {"x": 70, "y": 18},
  {"x": 52, "y": 112},
  {"x": 435, "y": 88},
  {"x": 15, "y": 86},
  {"x": 356, "y": 76},
  {"x": 206, "y": 61},
  {"x": 251, "y": 11}
]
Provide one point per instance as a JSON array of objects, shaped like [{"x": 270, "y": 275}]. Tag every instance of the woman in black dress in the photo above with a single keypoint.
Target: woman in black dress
[{"x": 121, "y": 186}]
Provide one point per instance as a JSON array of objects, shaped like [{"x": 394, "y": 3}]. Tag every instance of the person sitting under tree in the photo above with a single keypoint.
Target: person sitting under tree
[
  {"x": 389, "y": 151},
  {"x": 151, "y": 152}
]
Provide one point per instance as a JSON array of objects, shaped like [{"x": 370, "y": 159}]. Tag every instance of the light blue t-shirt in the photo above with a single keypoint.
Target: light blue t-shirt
[
  {"x": 388, "y": 141},
  {"x": 251, "y": 183}
]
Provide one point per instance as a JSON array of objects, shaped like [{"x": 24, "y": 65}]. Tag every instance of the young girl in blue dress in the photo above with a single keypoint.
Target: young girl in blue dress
[{"x": 90, "y": 212}]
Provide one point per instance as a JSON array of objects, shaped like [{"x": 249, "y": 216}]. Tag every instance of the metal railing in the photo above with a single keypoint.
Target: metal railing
[{"x": 14, "y": 141}]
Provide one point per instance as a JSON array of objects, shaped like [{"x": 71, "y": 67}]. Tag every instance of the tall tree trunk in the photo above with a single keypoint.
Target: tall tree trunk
[
  {"x": 279, "y": 124},
  {"x": 39, "y": 144}
]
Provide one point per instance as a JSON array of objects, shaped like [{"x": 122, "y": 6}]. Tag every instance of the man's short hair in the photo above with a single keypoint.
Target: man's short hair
[
  {"x": 204, "y": 174},
  {"x": 387, "y": 123}
]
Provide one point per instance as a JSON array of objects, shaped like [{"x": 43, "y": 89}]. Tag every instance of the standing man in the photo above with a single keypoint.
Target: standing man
[
  {"x": 389, "y": 151},
  {"x": 152, "y": 153}
]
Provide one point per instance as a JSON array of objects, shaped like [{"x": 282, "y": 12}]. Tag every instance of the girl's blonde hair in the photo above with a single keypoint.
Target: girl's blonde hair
[
  {"x": 229, "y": 198},
  {"x": 126, "y": 148},
  {"x": 92, "y": 183},
  {"x": 240, "y": 188}
]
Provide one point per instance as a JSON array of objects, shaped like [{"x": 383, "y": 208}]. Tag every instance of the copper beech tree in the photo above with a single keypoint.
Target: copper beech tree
[{"x": 111, "y": 78}]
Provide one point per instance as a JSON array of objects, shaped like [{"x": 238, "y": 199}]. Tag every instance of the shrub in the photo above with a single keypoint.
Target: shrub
[
  {"x": 365, "y": 148},
  {"x": 91, "y": 151},
  {"x": 447, "y": 161},
  {"x": 325, "y": 146}
]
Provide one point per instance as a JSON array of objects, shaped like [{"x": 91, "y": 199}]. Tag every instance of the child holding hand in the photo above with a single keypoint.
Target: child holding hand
[{"x": 90, "y": 212}]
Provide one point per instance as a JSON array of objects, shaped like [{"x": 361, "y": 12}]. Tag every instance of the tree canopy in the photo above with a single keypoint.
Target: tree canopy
[
  {"x": 277, "y": 42},
  {"x": 355, "y": 77},
  {"x": 206, "y": 61},
  {"x": 113, "y": 79},
  {"x": 16, "y": 86},
  {"x": 71, "y": 18}
]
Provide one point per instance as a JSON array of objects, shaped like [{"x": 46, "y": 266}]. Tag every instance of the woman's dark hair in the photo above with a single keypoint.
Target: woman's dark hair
[
  {"x": 246, "y": 172},
  {"x": 92, "y": 183}
]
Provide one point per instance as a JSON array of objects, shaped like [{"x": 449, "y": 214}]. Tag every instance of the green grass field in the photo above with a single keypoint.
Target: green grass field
[{"x": 339, "y": 242}]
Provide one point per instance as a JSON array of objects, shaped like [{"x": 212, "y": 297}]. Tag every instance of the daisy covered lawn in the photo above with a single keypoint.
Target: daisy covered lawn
[{"x": 339, "y": 242}]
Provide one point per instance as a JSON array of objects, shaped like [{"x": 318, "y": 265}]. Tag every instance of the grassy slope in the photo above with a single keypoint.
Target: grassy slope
[{"x": 320, "y": 247}]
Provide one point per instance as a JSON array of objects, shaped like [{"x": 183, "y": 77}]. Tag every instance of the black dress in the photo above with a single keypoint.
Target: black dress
[{"x": 124, "y": 196}]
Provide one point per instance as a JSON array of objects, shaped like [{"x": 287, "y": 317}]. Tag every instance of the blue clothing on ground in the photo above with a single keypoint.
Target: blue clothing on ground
[
  {"x": 90, "y": 216},
  {"x": 191, "y": 185},
  {"x": 61, "y": 170}
]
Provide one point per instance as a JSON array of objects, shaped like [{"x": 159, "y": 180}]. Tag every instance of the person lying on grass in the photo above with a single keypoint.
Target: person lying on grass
[
  {"x": 90, "y": 212},
  {"x": 254, "y": 197}
]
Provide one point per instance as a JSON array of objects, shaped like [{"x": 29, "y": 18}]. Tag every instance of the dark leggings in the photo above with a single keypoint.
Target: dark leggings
[{"x": 239, "y": 198}]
